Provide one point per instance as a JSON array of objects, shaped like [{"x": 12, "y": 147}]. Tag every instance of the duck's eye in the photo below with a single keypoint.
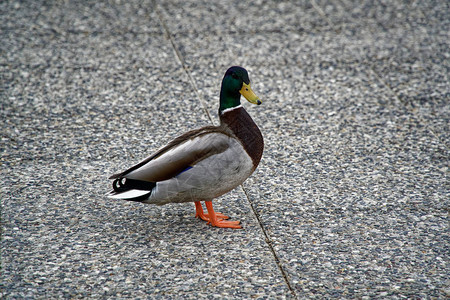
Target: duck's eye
[{"x": 234, "y": 76}]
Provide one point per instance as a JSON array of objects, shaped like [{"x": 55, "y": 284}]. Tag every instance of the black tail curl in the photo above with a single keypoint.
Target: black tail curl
[{"x": 124, "y": 184}]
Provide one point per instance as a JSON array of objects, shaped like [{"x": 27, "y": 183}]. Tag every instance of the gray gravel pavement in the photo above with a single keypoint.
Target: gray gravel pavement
[{"x": 351, "y": 197}]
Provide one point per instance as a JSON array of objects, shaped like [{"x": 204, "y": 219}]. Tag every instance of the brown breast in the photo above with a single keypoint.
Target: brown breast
[{"x": 243, "y": 127}]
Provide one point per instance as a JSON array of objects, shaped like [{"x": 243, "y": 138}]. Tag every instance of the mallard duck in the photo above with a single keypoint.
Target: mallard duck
[{"x": 201, "y": 164}]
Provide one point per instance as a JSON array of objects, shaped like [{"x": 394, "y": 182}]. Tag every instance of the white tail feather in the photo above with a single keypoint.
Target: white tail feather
[{"x": 130, "y": 194}]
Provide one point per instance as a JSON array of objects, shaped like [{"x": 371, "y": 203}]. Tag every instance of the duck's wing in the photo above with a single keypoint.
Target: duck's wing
[{"x": 180, "y": 154}]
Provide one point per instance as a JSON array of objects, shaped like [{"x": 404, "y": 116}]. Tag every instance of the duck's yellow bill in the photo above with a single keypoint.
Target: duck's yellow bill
[{"x": 247, "y": 92}]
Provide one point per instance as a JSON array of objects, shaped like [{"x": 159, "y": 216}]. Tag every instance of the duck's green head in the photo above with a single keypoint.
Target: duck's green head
[{"x": 234, "y": 84}]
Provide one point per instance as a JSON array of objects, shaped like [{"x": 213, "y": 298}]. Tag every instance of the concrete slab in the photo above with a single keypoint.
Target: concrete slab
[{"x": 350, "y": 199}]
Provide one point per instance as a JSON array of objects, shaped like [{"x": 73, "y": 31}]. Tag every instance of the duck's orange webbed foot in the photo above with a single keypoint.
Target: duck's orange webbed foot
[
  {"x": 214, "y": 218},
  {"x": 205, "y": 217}
]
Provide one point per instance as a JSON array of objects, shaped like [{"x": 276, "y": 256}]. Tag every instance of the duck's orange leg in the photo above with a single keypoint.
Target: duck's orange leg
[
  {"x": 217, "y": 221},
  {"x": 205, "y": 217}
]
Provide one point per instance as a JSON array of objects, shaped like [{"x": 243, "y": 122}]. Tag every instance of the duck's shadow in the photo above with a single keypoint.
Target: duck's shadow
[{"x": 171, "y": 223}]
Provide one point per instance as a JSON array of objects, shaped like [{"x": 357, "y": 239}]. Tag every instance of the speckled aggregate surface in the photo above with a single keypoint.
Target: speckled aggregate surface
[{"x": 350, "y": 200}]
